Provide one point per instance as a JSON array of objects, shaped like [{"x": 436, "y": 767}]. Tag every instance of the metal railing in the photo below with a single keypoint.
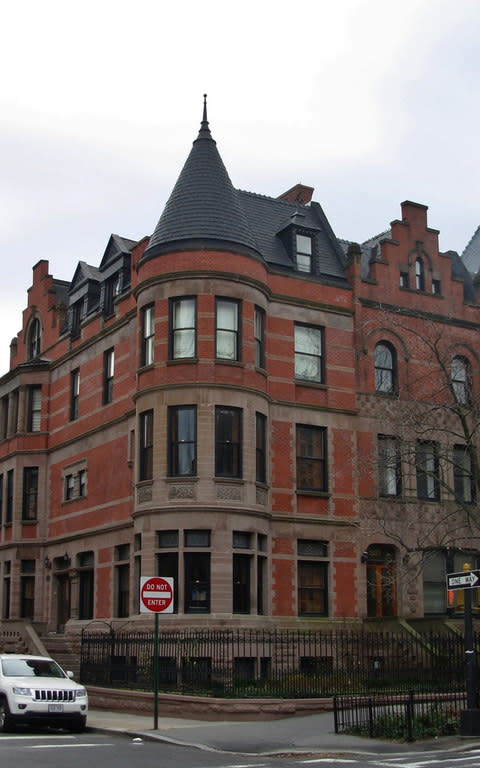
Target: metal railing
[
  {"x": 399, "y": 715},
  {"x": 274, "y": 663}
]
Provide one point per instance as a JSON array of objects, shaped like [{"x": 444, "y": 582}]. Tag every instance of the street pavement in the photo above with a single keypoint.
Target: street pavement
[{"x": 307, "y": 734}]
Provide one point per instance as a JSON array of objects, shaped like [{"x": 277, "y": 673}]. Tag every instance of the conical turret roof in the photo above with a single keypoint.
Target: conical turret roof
[{"x": 204, "y": 208}]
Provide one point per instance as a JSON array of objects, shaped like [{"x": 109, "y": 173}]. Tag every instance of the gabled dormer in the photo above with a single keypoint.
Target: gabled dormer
[
  {"x": 309, "y": 240},
  {"x": 300, "y": 239},
  {"x": 115, "y": 272},
  {"x": 83, "y": 296}
]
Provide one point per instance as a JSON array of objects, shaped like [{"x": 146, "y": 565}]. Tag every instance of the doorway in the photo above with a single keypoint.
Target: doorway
[
  {"x": 63, "y": 600},
  {"x": 381, "y": 582}
]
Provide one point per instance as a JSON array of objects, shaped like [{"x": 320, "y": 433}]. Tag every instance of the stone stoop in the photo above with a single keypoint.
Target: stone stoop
[{"x": 60, "y": 649}]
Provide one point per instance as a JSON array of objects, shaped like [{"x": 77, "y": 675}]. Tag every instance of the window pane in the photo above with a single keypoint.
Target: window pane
[
  {"x": 308, "y": 353},
  {"x": 197, "y": 582},
  {"x": 182, "y": 440},
  {"x": 183, "y": 322},
  {"x": 384, "y": 368},
  {"x": 312, "y": 588},
  {"x": 227, "y": 442},
  {"x": 227, "y": 312},
  {"x": 389, "y": 466},
  {"x": 311, "y": 458},
  {"x": 227, "y": 330}
]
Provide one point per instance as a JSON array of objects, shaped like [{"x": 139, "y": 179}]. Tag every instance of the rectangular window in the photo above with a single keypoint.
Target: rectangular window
[
  {"x": 259, "y": 321},
  {"x": 312, "y": 588},
  {"x": 74, "y": 393},
  {"x": 148, "y": 335},
  {"x": 34, "y": 409},
  {"x": 167, "y": 567},
  {"x": 428, "y": 478},
  {"x": 311, "y": 458},
  {"x": 69, "y": 487},
  {"x": 82, "y": 482},
  {"x": 146, "y": 446},
  {"x": 241, "y": 583},
  {"x": 27, "y": 589},
  {"x": 122, "y": 577},
  {"x": 434, "y": 576},
  {"x": 30, "y": 493},
  {"x": 304, "y": 253},
  {"x": 9, "y": 505},
  {"x": 260, "y": 447},
  {"x": 76, "y": 315},
  {"x": 1, "y": 499},
  {"x": 227, "y": 336},
  {"x": 197, "y": 538},
  {"x": 111, "y": 289},
  {"x": 167, "y": 539},
  {"x": 183, "y": 328},
  {"x": 309, "y": 359},
  {"x": 389, "y": 466},
  {"x": 4, "y": 416},
  {"x": 108, "y": 371},
  {"x": 228, "y": 442},
  {"x": 462, "y": 475},
  {"x": 261, "y": 584},
  {"x": 182, "y": 440},
  {"x": 15, "y": 411},
  {"x": 197, "y": 582},
  {"x": 403, "y": 279}
]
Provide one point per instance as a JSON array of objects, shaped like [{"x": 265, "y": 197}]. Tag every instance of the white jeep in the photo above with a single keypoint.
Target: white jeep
[{"x": 35, "y": 689}]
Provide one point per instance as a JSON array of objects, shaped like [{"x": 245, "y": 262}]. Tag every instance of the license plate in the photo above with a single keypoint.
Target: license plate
[{"x": 55, "y": 707}]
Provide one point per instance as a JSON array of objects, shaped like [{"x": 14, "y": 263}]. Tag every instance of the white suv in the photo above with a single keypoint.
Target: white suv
[{"x": 34, "y": 689}]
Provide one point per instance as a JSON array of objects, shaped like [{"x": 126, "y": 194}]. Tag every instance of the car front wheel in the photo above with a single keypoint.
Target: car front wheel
[{"x": 6, "y": 723}]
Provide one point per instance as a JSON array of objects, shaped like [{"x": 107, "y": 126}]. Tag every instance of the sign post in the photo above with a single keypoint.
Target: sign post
[
  {"x": 468, "y": 580},
  {"x": 156, "y": 596}
]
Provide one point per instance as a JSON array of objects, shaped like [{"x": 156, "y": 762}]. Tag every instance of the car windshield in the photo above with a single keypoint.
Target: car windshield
[{"x": 31, "y": 668}]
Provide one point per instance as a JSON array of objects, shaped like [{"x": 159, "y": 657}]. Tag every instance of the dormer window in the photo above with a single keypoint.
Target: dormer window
[
  {"x": 34, "y": 339},
  {"x": 111, "y": 291},
  {"x": 76, "y": 317},
  {"x": 419, "y": 275},
  {"x": 303, "y": 245}
]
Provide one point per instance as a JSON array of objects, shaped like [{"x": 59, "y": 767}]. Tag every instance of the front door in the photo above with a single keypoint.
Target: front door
[
  {"x": 381, "y": 582},
  {"x": 63, "y": 601}
]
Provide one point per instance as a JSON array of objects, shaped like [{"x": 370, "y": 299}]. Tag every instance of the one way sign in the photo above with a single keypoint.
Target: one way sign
[{"x": 463, "y": 580}]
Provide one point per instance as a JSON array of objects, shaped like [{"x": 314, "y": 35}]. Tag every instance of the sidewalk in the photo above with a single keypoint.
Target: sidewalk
[{"x": 303, "y": 734}]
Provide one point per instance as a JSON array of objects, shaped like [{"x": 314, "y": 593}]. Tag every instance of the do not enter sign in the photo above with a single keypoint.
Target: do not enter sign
[{"x": 156, "y": 594}]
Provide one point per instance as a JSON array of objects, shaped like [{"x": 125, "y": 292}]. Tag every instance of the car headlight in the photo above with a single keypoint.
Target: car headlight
[
  {"x": 18, "y": 691},
  {"x": 81, "y": 693}
]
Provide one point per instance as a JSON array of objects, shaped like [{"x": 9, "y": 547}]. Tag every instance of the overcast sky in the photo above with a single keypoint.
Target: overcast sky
[{"x": 371, "y": 102}]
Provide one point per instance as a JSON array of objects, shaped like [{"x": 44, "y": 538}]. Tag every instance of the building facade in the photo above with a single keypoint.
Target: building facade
[{"x": 249, "y": 405}]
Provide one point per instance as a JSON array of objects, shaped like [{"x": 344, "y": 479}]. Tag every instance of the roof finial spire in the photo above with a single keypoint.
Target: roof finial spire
[{"x": 204, "y": 129}]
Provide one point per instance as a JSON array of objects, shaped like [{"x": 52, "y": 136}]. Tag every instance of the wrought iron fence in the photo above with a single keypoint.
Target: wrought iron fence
[
  {"x": 274, "y": 663},
  {"x": 399, "y": 715}
]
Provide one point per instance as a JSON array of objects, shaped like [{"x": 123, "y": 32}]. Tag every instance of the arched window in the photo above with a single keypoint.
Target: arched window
[
  {"x": 419, "y": 275},
  {"x": 385, "y": 368},
  {"x": 461, "y": 380},
  {"x": 34, "y": 339}
]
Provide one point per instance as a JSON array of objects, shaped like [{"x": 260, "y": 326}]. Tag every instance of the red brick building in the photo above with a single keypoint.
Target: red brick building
[{"x": 222, "y": 403}]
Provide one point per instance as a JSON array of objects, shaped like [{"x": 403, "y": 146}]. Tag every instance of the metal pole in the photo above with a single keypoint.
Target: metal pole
[
  {"x": 155, "y": 676},
  {"x": 469, "y": 650}
]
